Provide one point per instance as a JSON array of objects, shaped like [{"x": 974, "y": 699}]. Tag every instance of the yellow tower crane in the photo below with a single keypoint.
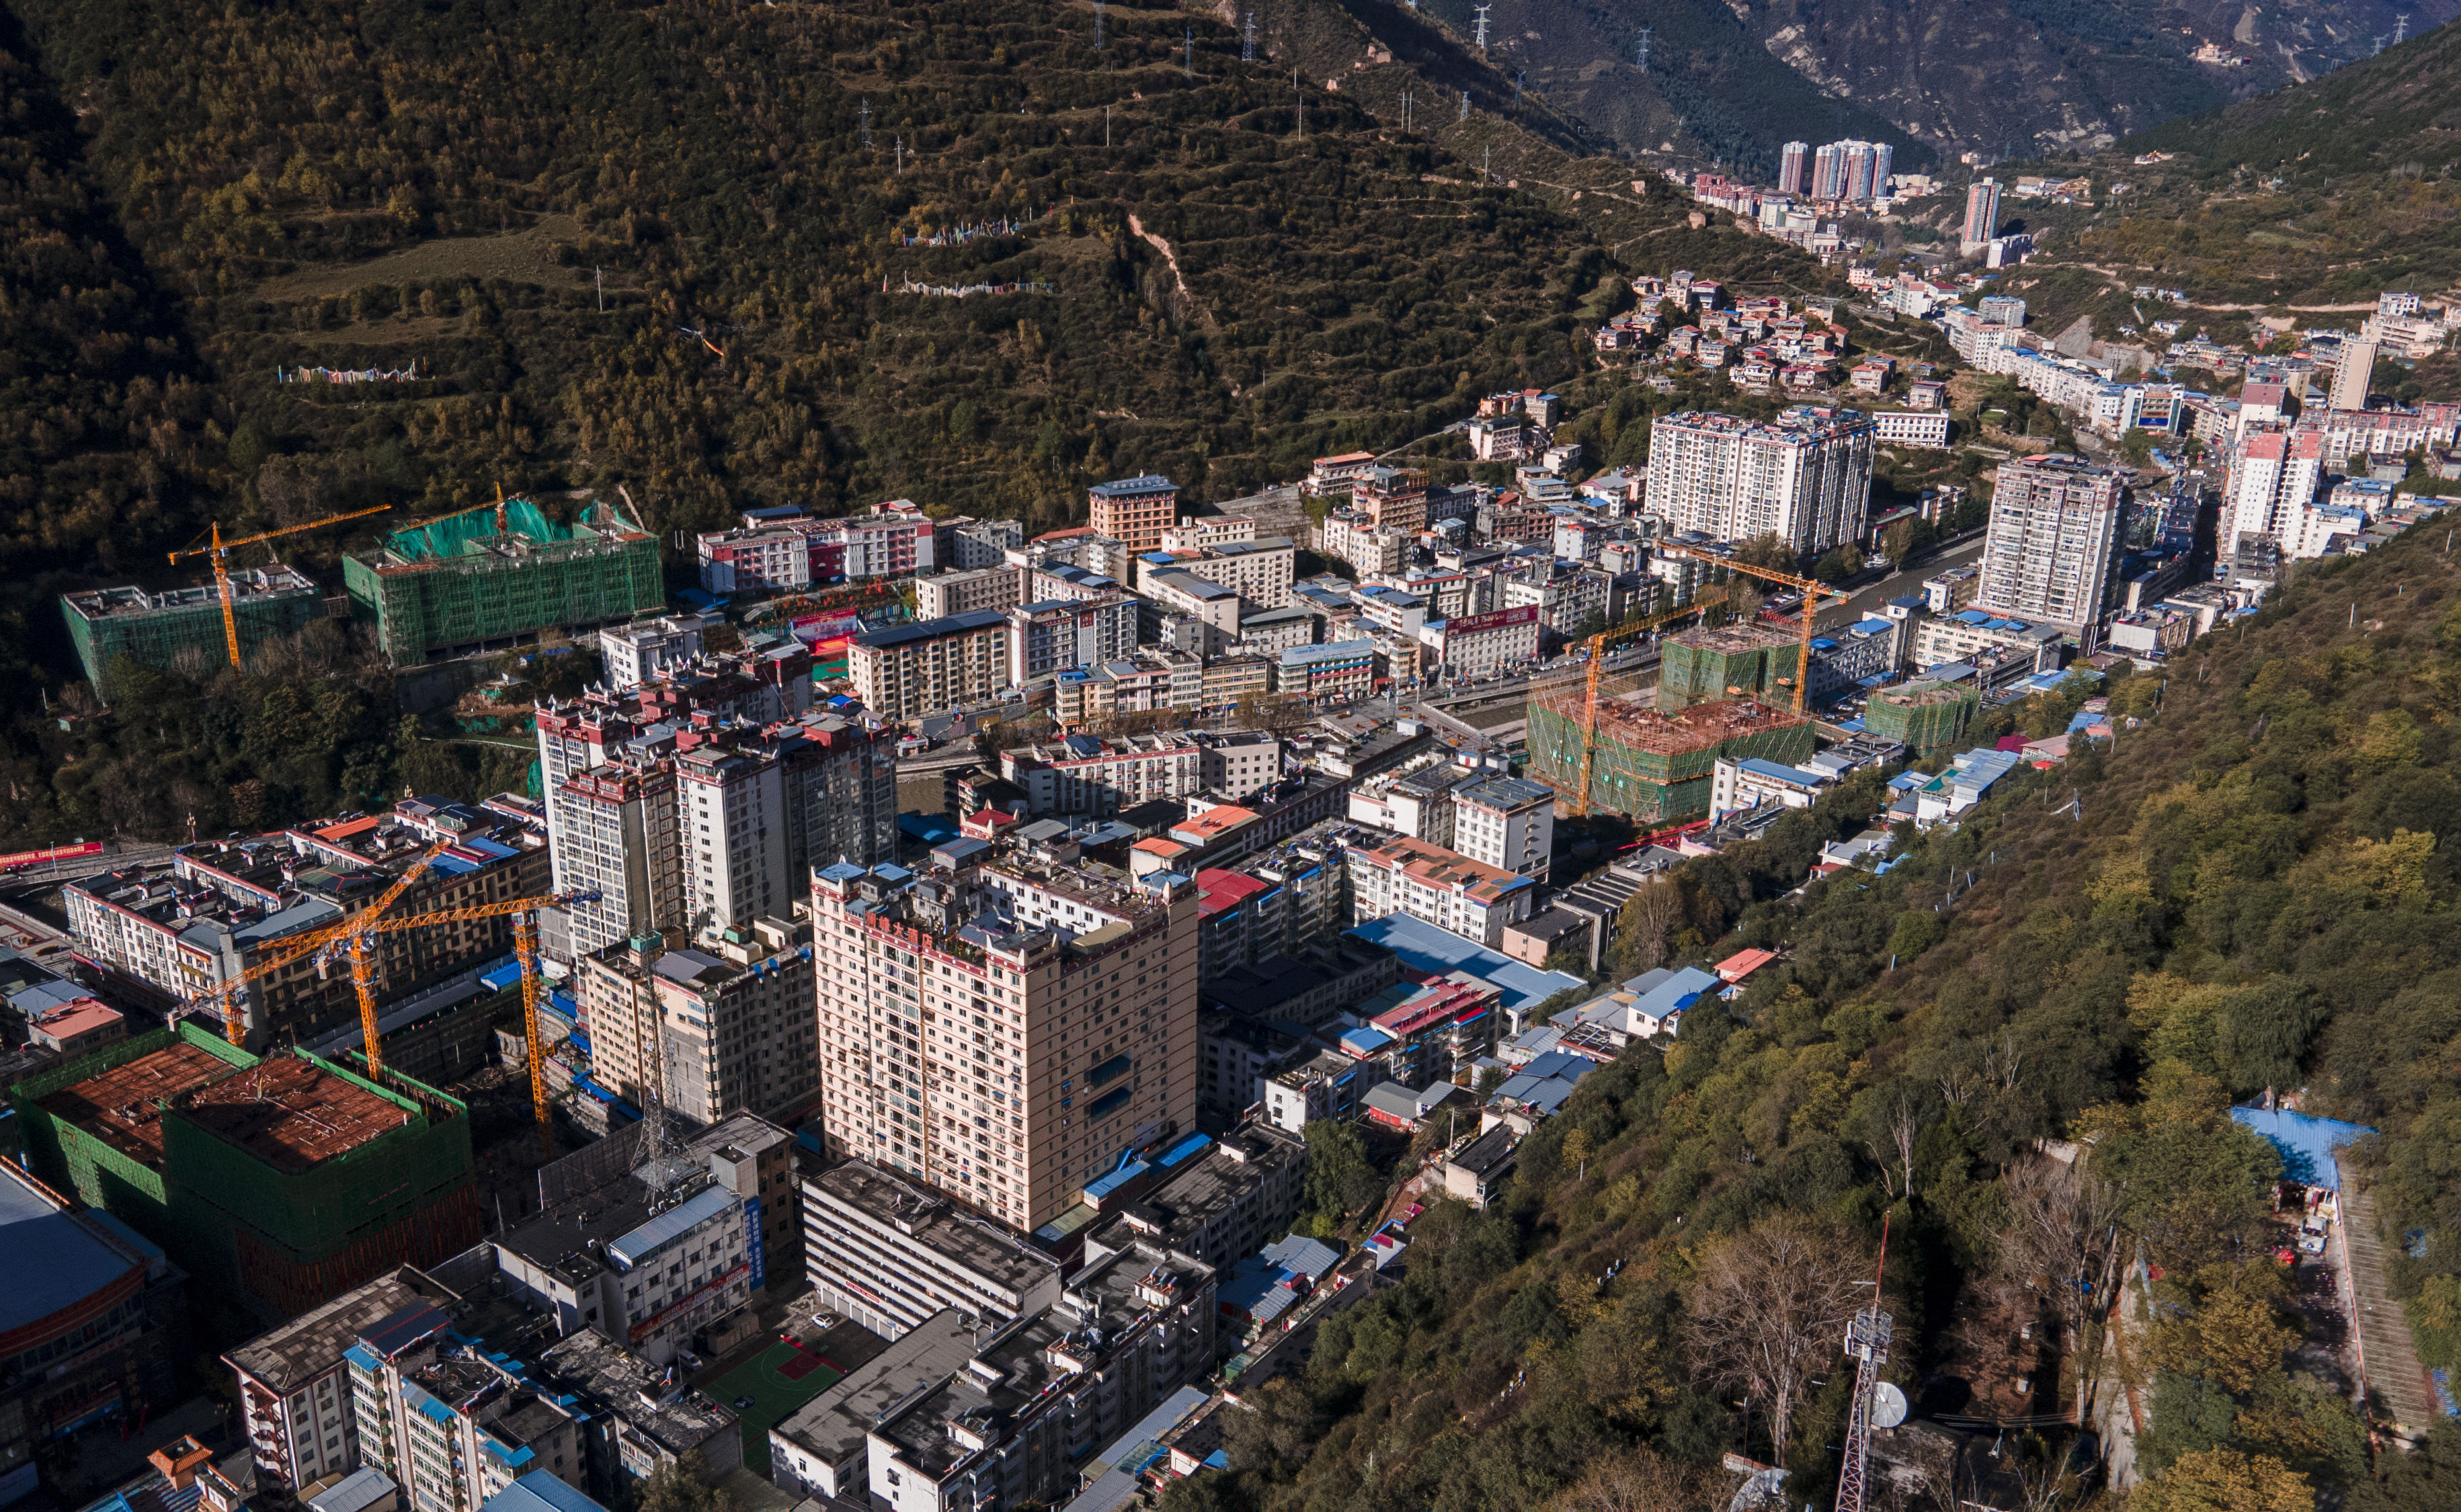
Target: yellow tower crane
[
  {"x": 524, "y": 912},
  {"x": 1812, "y": 592},
  {"x": 1578, "y": 799},
  {"x": 220, "y": 551},
  {"x": 222, "y": 997}
]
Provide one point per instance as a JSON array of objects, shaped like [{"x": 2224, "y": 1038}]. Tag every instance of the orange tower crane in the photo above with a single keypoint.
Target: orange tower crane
[
  {"x": 1812, "y": 592},
  {"x": 524, "y": 912},
  {"x": 1579, "y": 798},
  {"x": 220, "y": 551},
  {"x": 222, "y": 997}
]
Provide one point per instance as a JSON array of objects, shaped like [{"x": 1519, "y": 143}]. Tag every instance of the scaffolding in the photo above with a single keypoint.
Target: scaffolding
[
  {"x": 1725, "y": 661},
  {"x": 1925, "y": 717},
  {"x": 281, "y": 1180},
  {"x": 490, "y": 576},
  {"x": 157, "y": 629},
  {"x": 1656, "y": 765}
]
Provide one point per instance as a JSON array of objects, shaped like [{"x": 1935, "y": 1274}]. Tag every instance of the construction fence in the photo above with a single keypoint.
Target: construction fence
[
  {"x": 1655, "y": 766},
  {"x": 459, "y": 583}
]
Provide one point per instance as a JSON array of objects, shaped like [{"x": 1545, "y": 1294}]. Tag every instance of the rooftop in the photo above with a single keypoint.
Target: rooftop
[
  {"x": 1428, "y": 950},
  {"x": 679, "y": 1420},
  {"x": 1644, "y": 728},
  {"x": 112, "y": 602},
  {"x": 292, "y": 1112},
  {"x": 932, "y": 1221},
  {"x": 1121, "y": 487},
  {"x": 123, "y": 1106},
  {"x": 54, "y": 1260},
  {"x": 290, "y": 1356}
]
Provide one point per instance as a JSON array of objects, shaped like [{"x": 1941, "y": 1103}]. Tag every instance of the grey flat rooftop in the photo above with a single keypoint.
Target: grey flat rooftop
[
  {"x": 285, "y": 1358},
  {"x": 927, "y": 1219},
  {"x": 832, "y": 1425}
]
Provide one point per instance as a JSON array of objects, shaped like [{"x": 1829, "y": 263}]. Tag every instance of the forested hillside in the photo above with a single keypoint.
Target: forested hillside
[
  {"x": 2258, "y": 888},
  {"x": 453, "y": 192}
]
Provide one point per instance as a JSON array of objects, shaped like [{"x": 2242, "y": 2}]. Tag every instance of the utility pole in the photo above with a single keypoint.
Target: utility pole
[
  {"x": 1106, "y": 125},
  {"x": 1301, "y": 95},
  {"x": 901, "y": 155},
  {"x": 600, "y": 275},
  {"x": 1405, "y": 113}
]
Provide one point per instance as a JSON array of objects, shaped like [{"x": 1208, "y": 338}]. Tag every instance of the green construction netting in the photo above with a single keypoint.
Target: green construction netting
[{"x": 453, "y": 535}]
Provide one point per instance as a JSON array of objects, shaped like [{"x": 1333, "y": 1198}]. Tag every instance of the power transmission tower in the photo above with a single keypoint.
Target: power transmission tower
[
  {"x": 1518, "y": 74},
  {"x": 1464, "y": 106},
  {"x": 1248, "y": 42},
  {"x": 1646, "y": 35},
  {"x": 1187, "y": 63},
  {"x": 1106, "y": 125},
  {"x": 1405, "y": 113},
  {"x": 1485, "y": 155},
  {"x": 2400, "y": 29},
  {"x": 1867, "y": 1339},
  {"x": 1301, "y": 97},
  {"x": 866, "y": 121},
  {"x": 1098, "y": 25},
  {"x": 901, "y": 154},
  {"x": 1482, "y": 27}
]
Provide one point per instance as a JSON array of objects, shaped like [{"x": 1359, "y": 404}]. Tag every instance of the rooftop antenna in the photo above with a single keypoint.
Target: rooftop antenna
[
  {"x": 1482, "y": 27},
  {"x": 1248, "y": 41},
  {"x": 866, "y": 114}
]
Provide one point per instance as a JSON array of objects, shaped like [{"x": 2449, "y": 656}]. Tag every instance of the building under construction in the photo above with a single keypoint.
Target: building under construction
[
  {"x": 280, "y": 1182},
  {"x": 1726, "y": 661},
  {"x": 159, "y": 629},
  {"x": 1925, "y": 717},
  {"x": 1656, "y": 765},
  {"x": 493, "y": 577}
]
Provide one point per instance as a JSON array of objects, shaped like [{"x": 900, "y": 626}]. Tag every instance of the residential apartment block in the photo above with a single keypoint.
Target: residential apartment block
[
  {"x": 782, "y": 550},
  {"x": 2048, "y": 556},
  {"x": 1135, "y": 510},
  {"x": 1003, "y": 1027},
  {"x": 1806, "y": 479},
  {"x": 1506, "y": 822},
  {"x": 2272, "y": 478},
  {"x": 992, "y": 588},
  {"x": 720, "y": 1026},
  {"x": 295, "y": 1385},
  {"x": 1439, "y": 886},
  {"x": 889, "y": 1254},
  {"x": 1059, "y": 636},
  {"x": 1090, "y": 774},
  {"x": 930, "y": 666},
  {"x": 1259, "y": 570}
]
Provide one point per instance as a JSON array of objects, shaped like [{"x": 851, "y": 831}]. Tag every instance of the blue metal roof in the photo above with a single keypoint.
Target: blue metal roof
[
  {"x": 2307, "y": 1143},
  {"x": 671, "y": 1226},
  {"x": 539, "y": 1491},
  {"x": 1425, "y": 948}
]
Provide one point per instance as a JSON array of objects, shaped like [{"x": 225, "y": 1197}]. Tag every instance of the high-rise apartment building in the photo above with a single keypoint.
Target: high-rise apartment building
[
  {"x": 1005, "y": 1027},
  {"x": 721, "y": 1027},
  {"x": 295, "y": 1386},
  {"x": 1981, "y": 214},
  {"x": 699, "y": 799},
  {"x": 1828, "y": 172},
  {"x": 2350, "y": 378},
  {"x": 2272, "y": 478},
  {"x": 930, "y": 666},
  {"x": 1135, "y": 510},
  {"x": 1805, "y": 479},
  {"x": 1794, "y": 163},
  {"x": 2049, "y": 558}
]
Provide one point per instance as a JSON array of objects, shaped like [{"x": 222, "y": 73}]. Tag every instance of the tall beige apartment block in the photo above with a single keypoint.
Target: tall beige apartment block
[{"x": 1004, "y": 1027}]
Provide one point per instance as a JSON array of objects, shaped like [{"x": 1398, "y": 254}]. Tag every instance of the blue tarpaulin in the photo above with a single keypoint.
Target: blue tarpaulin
[{"x": 2307, "y": 1143}]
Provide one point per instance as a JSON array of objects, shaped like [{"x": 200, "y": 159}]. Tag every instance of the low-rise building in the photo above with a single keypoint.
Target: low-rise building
[
  {"x": 1506, "y": 822},
  {"x": 1468, "y": 644},
  {"x": 1970, "y": 633},
  {"x": 1920, "y": 427},
  {"x": 1220, "y": 1206},
  {"x": 1258, "y": 569},
  {"x": 889, "y": 1255},
  {"x": 634, "y": 653},
  {"x": 1341, "y": 673},
  {"x": 295, "y": 1386},
  {"x": 1439, "y": 886}
]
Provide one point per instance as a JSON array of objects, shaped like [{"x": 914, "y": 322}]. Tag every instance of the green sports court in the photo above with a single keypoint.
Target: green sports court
[{"x": 779, "y": 1379}]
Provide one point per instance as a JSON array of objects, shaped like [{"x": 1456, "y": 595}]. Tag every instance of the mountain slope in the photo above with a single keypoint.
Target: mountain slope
[
  {"x": 2259, "y": 886},
  {"x": 386, "y": 184},
  {"x": 2001, "y": 76}
]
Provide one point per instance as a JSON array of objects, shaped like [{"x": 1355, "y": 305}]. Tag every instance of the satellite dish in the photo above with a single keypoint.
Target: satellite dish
[{"x": 1888, "y": 1406}]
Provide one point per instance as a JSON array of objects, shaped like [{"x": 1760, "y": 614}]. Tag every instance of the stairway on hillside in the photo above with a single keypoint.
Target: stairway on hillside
[{"x": 2400, "y": 1389}]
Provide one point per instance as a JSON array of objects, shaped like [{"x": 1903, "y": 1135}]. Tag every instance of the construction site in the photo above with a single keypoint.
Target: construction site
[
  {"x": 1726, "y": 661},
  {"x": 184, "y": 626},
  {"x": 495, "y": 577},
  {"x": 1651, "y": 764},
  {"x": 281, "y": 1181},
  {"x": 1925, "y": 717}
]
